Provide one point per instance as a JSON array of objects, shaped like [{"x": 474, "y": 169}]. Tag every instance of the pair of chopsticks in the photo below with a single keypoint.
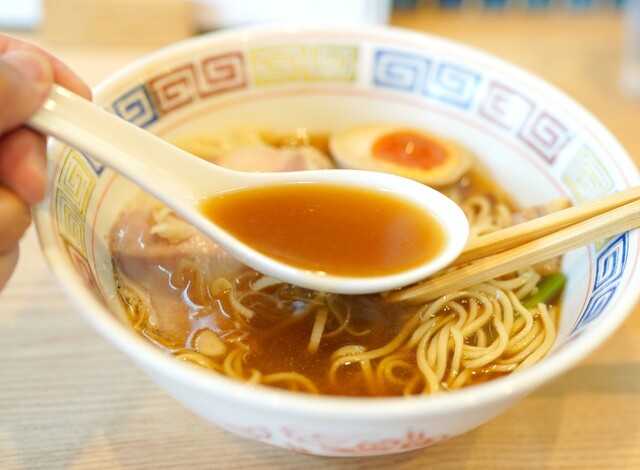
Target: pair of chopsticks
[{"x": 505, "y": 251}]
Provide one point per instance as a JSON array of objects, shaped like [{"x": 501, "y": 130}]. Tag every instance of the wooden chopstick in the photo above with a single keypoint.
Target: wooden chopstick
[
  {"x": 536, "y": 248},
  {"x": 524, "y": 232}
]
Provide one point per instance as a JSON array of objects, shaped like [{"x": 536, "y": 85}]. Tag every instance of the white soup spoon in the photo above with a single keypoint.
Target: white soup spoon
[{"x": 183, "y": 181}]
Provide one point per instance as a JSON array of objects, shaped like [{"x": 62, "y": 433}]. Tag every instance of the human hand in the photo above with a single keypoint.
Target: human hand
[{"x": 26, "y": 75}]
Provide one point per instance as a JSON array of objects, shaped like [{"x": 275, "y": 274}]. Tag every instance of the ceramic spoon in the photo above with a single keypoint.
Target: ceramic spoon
[{"x": 182, "y": 181}]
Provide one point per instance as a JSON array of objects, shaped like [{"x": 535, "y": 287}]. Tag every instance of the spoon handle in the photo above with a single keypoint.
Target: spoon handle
[{"x": 143, "y": 158}]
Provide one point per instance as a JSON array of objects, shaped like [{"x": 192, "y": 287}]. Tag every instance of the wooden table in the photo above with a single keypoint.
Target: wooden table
[{"x": 70, "y": 400}]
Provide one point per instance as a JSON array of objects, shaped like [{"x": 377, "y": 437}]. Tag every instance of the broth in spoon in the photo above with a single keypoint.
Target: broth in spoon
[{"x": 338, "y": 230}]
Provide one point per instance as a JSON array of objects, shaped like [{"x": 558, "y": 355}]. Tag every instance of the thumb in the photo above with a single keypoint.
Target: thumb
[{"x": 25, "y": 80}]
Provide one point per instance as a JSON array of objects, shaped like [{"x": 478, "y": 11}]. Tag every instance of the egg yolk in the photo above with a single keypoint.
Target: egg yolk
[{"x": 409, "y": 149}]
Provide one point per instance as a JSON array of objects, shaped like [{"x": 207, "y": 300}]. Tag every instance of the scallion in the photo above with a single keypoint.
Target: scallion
[{"x": 548, "y": 288}]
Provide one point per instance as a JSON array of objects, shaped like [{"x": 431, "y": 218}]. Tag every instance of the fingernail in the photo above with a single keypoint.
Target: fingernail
[{"x": 32, "y": 66}]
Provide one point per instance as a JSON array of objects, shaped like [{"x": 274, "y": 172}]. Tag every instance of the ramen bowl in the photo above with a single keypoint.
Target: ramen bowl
[{"x": 536, "y": 142}]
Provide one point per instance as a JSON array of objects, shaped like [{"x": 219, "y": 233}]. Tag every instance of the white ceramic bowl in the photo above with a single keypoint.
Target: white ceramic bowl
[{"x": 538, "y": 143}]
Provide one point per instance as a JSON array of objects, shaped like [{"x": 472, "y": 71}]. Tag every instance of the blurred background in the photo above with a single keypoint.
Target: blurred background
[
  {"x": 155, "y": 23},
  {"x": 112, "y": 21}
]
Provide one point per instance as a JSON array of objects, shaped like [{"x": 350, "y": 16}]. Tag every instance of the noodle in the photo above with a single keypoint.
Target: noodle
[
  {"x": 318, "y": 328},
  {"x": 549, "y": 337},
  {"x": 293, "y": 381}
]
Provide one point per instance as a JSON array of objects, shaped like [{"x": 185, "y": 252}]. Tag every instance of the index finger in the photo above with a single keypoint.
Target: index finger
[{"x": 62, "y": 74}]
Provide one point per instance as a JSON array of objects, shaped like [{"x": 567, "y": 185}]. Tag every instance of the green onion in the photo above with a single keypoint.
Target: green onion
[{"x": 548, "y": 288}]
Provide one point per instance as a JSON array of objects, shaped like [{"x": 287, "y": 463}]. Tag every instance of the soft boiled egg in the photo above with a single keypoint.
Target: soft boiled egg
[{"x": 402, "y": 150}]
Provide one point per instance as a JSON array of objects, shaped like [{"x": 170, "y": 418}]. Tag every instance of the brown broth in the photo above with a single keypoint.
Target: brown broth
[
  {"x": 274, "y": 349},
  {"x": 335, "y": 229}
]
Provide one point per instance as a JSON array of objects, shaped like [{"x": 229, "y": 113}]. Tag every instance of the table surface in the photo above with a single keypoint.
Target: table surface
[{"x": 70, "y": 400}]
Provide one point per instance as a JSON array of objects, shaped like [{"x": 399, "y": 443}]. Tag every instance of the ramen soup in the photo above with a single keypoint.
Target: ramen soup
[
  {"x": 328, "y": 228},
  {"x": 190, "y": 298}
]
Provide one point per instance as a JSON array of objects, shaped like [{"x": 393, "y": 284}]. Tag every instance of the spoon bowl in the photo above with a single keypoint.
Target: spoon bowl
[{"x": 183, "y": 181}]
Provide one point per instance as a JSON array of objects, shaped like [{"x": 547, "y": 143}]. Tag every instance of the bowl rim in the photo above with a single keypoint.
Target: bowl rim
[{"x": 363, "y": 409}]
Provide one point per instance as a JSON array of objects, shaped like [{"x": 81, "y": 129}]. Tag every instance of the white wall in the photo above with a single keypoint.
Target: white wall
[{"x": 20, "y": 14}]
